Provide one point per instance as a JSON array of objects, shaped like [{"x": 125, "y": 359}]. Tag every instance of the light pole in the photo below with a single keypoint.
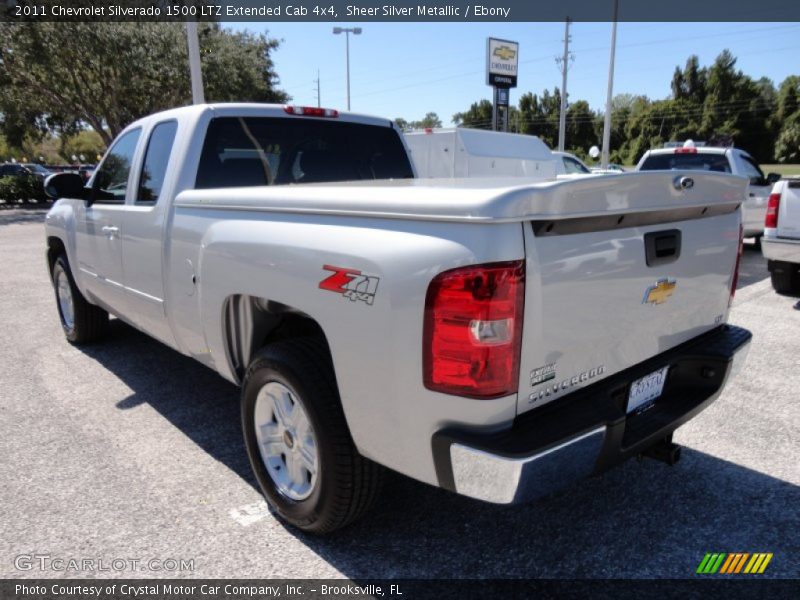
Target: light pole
[
  {"x": 347, "y": 31},
  {"x": 195, "y": 73},
  {"x": 609, "y": 96}
]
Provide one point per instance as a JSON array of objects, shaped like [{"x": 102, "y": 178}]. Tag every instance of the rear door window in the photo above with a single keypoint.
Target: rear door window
[
  {"x": 273, "y": 151},
  {"x": 687, "y": 161},
  {"x": 751, "y": 170},
  {"x": 159, "y": 148}
]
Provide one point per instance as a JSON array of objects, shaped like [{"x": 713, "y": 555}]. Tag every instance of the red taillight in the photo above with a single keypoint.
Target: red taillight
[
  {"x": 310, "y": 111},
  {"x": 773, "y": 205},
  {"x": 473, "y": 328},
  {"x": 735, "y": 278},
  {"x": 685, "y": 150}
]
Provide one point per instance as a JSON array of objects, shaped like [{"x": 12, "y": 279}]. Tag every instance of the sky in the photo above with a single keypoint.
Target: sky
[{"x": 409, "y": 69}]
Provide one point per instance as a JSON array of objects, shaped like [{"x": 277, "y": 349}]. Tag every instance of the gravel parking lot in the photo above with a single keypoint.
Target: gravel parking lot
[{"x": 128, "y": 449}]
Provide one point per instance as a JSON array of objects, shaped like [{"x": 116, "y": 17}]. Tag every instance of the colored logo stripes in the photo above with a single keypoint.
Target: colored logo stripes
[{"x": 731, "y": 563}]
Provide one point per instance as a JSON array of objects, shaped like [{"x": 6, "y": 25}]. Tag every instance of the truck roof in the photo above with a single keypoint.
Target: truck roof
[
  {"x": 255, "y": 109},
  {"x": 699, "y": 149}
]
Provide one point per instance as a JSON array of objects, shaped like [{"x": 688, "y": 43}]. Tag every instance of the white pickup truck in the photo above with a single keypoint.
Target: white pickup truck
[
  {"x": 781, "y": 243},
  {"x": 497, "y": 338},
  {"x": 699, "y": 157}
]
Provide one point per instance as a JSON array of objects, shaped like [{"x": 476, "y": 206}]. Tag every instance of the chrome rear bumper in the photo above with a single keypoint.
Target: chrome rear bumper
[
  {"x": 588, "y": 431},
  {"x": 781, "y": 249}
]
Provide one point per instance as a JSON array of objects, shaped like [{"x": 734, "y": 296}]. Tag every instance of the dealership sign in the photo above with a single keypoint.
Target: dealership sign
[{"x": 502, "y": 59}]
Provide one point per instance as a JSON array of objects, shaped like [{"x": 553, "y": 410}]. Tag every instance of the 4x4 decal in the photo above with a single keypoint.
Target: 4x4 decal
[{"x": 352, "y": 284}]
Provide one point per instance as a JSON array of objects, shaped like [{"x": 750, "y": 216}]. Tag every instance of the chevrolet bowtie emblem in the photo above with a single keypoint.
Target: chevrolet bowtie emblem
[
  {"x": 658, "y": 293},
  {"x": 504, "y": 53}
]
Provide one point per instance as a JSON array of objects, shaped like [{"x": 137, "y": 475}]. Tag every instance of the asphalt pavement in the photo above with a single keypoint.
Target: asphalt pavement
[{"x": 129, "y": 450}]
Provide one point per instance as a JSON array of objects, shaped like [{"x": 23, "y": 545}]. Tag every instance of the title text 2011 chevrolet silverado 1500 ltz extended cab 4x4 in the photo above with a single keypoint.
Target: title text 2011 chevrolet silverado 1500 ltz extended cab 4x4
[{"x": 498, "y": 338}]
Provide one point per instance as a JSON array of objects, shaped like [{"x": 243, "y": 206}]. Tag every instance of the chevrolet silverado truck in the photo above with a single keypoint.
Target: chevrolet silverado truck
[
  {"x": 781, "y": 243},
  {"x": 499, "y": 338}
]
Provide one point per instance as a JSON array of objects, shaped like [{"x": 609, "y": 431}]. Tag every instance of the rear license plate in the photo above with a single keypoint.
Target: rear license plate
[{"x": 645, "y": 390}]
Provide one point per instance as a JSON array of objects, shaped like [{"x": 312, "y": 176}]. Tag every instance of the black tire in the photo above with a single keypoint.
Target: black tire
[
  {"x": 89, "y": 322},
  {"x": 347, "y": 484},
  {"x": 785, "y": 277}
]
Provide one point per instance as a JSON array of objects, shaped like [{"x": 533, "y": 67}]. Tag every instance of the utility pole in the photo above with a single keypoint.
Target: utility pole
[
  {"x": 563, "y": 64},
  {"x": 319, "y": 96},
  {"x": 609, "y": 95},
  {"x": 194, "y": 62}
]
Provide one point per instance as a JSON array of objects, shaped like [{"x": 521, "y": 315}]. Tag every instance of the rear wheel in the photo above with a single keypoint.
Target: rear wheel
[
  {"x": 81, "y": 321},
  {"x": 298, "y": 442},
  {"x": 785, "y": 277}
]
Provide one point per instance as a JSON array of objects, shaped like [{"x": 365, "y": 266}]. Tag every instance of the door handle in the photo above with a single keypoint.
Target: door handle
[
  {"x": 662, "y": 247},
  {"x": 110, "y": 231},
  {"x": 752, "y": 195}
]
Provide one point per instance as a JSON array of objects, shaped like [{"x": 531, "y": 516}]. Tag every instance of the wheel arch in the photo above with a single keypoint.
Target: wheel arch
[
  {"x": 249, "y": 323},
  {"x": 55, "y": 248}
]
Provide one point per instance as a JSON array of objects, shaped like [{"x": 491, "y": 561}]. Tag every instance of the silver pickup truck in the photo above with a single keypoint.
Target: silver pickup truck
[{"x": 499, "y": 338}]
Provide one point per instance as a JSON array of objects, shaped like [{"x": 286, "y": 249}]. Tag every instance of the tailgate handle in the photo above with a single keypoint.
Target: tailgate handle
[{"x": 662, "y": 247}]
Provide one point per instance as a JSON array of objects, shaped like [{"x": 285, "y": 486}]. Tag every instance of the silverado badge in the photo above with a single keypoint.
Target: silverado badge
[{"x": 659, "y": 292}]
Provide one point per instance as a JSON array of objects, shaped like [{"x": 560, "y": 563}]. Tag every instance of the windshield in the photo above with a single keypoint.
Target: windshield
[
  {"x": 271, "y": 151},
  {"x": 685, "y": 161},
  {"x": 572, "y": 166}
]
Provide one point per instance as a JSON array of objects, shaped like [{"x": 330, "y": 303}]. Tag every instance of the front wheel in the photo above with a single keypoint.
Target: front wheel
[
  {"x": 81, "y": 321},
  {"x": 298, "y": 442}
]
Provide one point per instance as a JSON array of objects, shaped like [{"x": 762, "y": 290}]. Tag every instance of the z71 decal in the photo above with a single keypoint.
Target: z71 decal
[{"x": 352, "y": 284}]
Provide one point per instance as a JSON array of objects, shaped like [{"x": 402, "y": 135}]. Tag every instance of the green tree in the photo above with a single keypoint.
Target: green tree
[
  {"x": 87, "y": 143},
  {"x": 690, "y": 83},
  {"x": 788, "y": 98},
  {"x": 538, "y": 115},
  {"x": 580, "y": 134},
  {"x": 787, "y": 147},
  {"x": 478, "y": 116},
  {"x": 430, "y": 120},
  {"x": 59, "y": 76}
]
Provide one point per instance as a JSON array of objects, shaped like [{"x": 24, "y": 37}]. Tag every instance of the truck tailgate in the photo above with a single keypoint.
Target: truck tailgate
[{"x": 604, "y": 293}]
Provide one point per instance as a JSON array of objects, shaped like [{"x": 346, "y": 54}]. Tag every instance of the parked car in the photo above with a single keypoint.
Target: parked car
[
  {"x": 781, "y": 243},
  {"x": 27, "y": 183},
  {"x": 38, "y": 171},
  {"x": 691, "y": 156},
  {"x": 14, "y": 170},
  {"x": 499, "y": 338}
]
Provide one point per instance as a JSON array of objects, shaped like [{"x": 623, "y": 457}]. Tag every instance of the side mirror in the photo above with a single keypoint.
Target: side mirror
[
  {"x": 65, "y": 185},
  {"x": 773, "y": 178}
]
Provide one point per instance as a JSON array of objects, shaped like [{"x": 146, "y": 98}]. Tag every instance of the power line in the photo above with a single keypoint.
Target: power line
[{"x": 395, "y": 76}]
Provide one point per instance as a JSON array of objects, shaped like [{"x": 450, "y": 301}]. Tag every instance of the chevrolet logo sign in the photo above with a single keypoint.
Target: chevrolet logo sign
[
  {"x": 504, "y": 53},
  {"x": 658, "y": 293}
]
